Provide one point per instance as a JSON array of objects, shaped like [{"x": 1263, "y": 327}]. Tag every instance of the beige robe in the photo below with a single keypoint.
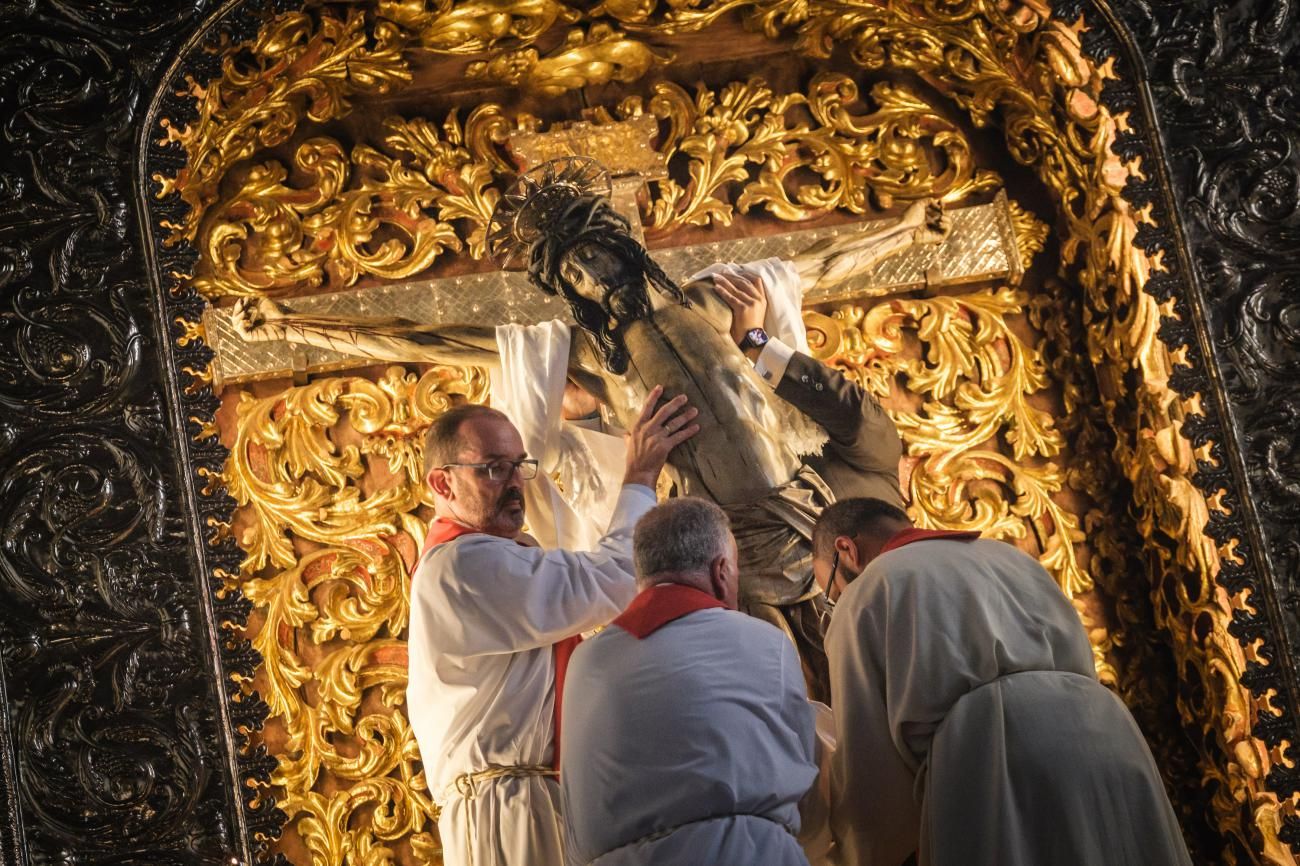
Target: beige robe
[{"x": 972, "y": 727}]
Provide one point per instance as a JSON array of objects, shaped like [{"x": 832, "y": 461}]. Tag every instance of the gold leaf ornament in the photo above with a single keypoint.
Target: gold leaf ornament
[
  {"x": 386, "y": 213},
  {"x": 473, "y": 26},
  {"x": 598, "y": 56},
  {"x": 975, "y": 377},
  {"x": 801, "y": 156},
  {"x": 301, "y": 65}
]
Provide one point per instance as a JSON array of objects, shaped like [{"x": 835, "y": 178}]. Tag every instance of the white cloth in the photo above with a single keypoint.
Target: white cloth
[
  {"x": 485, "y": 613},
  {"x": 703, "y": 726},
  {"x": 971, "y": 722},
  {"x": 783, "y": 323},
  {"x": 784, "y": 317},
  {"x": 528, "y": 386}
]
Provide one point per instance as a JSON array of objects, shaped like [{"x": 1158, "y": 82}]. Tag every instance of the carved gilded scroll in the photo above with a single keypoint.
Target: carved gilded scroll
[
  {"x": 981, "y": 449},
  {"x": 389, "y": 208}
]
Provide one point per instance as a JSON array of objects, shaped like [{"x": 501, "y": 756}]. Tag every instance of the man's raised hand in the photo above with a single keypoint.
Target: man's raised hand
[
  {"x": 746, "y": 295},
  {"x": 656, "y": 432}
]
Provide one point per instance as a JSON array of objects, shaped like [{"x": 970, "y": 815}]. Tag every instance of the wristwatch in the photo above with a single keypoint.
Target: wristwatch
[{"x": 755, "y": 338}]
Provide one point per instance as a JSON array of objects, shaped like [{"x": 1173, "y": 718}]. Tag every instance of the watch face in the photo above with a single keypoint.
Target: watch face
[{"x": 755, "y": 337}]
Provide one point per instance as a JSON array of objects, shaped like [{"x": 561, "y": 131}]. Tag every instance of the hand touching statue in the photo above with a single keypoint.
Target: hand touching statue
[
  {"x": 743, "y": 291},
  {"x": 658, "y": 431}
]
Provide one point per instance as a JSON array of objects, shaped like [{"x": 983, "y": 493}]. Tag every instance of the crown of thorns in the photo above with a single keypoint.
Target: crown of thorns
[{"x": 536, "y": 200}]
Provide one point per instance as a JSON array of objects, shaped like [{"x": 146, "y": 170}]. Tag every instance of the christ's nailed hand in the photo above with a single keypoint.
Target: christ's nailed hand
[
  {"x": 257, "y": 320},
  {"x": 659, "y": 429}
]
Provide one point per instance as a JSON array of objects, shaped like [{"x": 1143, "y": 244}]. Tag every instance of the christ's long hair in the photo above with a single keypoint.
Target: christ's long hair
[{"x": 592, "y": 219}]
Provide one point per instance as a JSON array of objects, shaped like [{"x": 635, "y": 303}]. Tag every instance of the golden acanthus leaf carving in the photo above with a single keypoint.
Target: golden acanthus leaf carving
[
  {"x": 684, "y": 16},
  {"x": 292, "y": 479},
  {"x": 1013, "y": 59},
  {"x": 599, "y": 56},
  {"x": 471, "y": 26},
  {"x": 385, "y": 211},
  {"x": 745, "y": 134},
  {"x": 298, "y": 67},
  {"x": 1031, "y": 232},
  {"x": 389, "y": 209},
  {"x": 328, "y": 482},
  {"x": 311, "y": 65}
]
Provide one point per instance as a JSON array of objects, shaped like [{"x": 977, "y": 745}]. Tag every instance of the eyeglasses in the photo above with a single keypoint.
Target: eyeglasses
[
  {"x": 828, "y": 603},
  {"x": 500, "y": 470}
]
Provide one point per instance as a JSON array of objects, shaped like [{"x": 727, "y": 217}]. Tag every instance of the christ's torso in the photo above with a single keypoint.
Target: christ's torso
[{"x": 740, "y": 453}]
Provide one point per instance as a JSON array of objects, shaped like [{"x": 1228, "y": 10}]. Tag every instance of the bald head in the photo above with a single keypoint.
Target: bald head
[{"x": 444, "y": 441}]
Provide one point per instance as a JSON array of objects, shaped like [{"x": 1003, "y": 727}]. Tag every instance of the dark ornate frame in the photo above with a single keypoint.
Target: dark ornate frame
[{"x": 120, "y": 728}]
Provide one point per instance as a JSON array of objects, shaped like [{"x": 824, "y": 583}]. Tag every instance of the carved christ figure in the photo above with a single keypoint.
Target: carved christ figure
[{"x": 638, "y": 329}]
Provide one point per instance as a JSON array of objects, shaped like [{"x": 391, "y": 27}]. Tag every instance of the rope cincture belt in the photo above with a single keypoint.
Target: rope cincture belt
[{"x": 465, "y": 786}]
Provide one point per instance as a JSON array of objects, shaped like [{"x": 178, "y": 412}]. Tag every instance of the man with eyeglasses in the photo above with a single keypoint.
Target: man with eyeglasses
[
  {"x": 972, "y": 728},
  {"x": 493, "y": 618}
]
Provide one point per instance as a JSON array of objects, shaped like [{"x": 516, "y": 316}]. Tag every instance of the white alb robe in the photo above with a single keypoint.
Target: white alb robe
[
  {"x": 485, "y": 613},
  {"x": 692, "y": 746},
  {"x": 971, "y": 722}
]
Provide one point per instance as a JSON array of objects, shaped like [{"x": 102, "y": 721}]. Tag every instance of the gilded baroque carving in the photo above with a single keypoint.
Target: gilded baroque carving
[
  {"x": 680, "y": 16},
  {"x": 332, "y": 621},
  {"x": 384, "y": 213},
  {"x": 727, "y": 136},
  {"x": 599, "y": 56},
  {"x": 299, "y": 67},
  {"x": 390, "y": 209},
  {"x": 476, "y": 25},
  {"x": 1009, "y": 64}
]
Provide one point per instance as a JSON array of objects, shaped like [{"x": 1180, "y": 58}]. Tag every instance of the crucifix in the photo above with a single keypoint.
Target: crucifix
[
  {"x": 979, "y": 245},
  {"x": 639, "y": 330}
]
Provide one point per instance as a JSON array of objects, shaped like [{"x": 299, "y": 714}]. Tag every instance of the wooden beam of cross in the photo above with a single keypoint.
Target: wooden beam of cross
[{"x": 980, "y": 246}]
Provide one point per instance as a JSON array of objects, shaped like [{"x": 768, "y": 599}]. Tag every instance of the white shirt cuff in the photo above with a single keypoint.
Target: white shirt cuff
[
  {"x": 643, "y": 491},
  {"x": 772, "y": 361}
]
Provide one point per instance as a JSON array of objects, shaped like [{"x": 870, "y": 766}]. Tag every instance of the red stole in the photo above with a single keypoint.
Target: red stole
[
  {"x": 912, "y": 535},
  {"x": 440, "y": 532},
  {"x": 659, "y": 605}
]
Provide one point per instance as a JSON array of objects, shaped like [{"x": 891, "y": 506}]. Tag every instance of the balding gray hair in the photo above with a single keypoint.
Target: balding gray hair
[
  {"x": 682, "y": 535},
  {"x": 442, "y": 441}
]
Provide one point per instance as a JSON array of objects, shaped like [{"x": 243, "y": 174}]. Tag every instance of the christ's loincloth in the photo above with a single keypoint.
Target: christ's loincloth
[
  {"x": 774, "y": 537},
  {"x": 774, "y": 540}
]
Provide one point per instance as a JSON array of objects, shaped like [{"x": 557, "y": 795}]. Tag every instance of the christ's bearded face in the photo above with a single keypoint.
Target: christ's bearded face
[{"x": 596, "y": 271}]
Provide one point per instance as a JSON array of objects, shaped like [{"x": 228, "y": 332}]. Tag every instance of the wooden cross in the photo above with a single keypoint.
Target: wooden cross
[{"x": 980, "y": 245}]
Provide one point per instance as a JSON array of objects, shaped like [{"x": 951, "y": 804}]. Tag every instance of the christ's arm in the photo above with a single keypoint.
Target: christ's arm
[
  {"x": 396, "y": 340},
  {"x": 828, "y": 263}
]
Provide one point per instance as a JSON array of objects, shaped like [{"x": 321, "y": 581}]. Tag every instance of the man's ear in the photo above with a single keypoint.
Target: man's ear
[
  {"x": 438, "y": 482},
  {"x": 718, "y": 578},
  {"x": 850, "y": 555}
]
